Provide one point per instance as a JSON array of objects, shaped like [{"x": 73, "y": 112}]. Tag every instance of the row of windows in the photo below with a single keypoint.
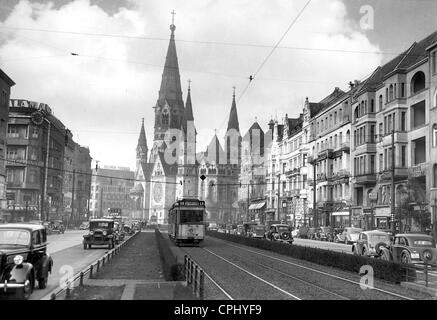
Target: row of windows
[{"x": 329, "y": 121}]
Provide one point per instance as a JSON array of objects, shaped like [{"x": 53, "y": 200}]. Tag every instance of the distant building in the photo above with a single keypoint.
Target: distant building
[
  {"x": 77, "y": 169},
  {"x": 110, "y": 188},
  {"x": 5, "y": 89}
]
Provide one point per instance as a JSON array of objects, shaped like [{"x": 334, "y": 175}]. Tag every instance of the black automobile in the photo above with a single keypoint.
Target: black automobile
[
  {"x": 280, "y": 233},
  {"x": 24, "y": 261},
  {"x": 58, "y": 226},
  {"x": 101, "y": 232}
]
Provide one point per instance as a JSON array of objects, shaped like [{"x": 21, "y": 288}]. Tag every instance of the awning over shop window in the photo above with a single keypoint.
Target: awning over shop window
[
  {"x": 257, "y": 206},
  {"x": 341, "y": 213}
]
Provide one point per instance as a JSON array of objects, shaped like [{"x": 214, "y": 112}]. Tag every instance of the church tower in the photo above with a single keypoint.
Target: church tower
[
  {"x": 142, "y": 149},
  {"x": 169, "y": 108},
  {"x": 187, "y": 167},
  {"x": 233, "y": 137}
]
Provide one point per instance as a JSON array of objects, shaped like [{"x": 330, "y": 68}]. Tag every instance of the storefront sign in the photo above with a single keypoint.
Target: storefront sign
[{"x": 18, "y": 103}]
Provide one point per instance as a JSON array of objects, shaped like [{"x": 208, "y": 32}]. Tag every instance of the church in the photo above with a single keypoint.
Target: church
[{"x": 173, "y": 169}]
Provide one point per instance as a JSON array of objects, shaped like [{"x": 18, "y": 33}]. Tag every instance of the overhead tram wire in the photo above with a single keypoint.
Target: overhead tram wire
[{"x": 235, "y": 44}]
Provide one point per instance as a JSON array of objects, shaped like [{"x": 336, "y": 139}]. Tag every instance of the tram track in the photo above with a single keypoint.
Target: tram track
[
  {"x": 278, "y": 271},
  {"x": 327, "y": 274}
]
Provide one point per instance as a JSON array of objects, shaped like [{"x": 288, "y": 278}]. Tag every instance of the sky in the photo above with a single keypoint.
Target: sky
[{"x": 102, "y": 93}]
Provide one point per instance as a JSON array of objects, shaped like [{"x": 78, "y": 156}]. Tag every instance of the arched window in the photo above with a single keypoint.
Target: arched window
[
  {"x": 386, "y": 95},
  {"x": 434, "y": 135},
  {"x": 335, "y": 117},
  {"x": 434, "y": 174},
  {"x": 165, "y": 117},
  {"x": 340, "y": 115},
  {"x": 435, "y": 99},
  {"x": 390, "y": 93},
  {"x": 357, "y": 112},
  {"x": 340, "y": 138},
  {"x": 335, "y": 141},
  {"x": 402, "y": 90},
  {"x": 380, "y": 102},
  {"x": 348, "y": 136},
  {"x": 396, "y": 91},
  {"x": 372, "y": 105},
  {"x": 418, "y": 82}
]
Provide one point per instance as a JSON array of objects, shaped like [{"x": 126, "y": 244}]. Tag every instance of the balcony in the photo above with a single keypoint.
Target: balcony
[
  {"x": 400, "y": 174},
  {"x": 292, "y": 193},
  {"x": 417, "y": 171},
  {"x": 341, "y": 175},
  {"x": 366, "y": 179},
  {"x": 292, "y": 172},
  {"x": 311, "y": 159},
  {"x": 325, "y": 153},
  {"x": 343, "y": 147}
]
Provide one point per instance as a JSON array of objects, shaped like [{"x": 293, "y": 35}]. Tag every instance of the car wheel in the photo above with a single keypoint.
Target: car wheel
[
  {"x": 42, "y": 283},
  {"x": 24, "y": 293},
  {"x": 385, "y": 254},
  {"x": 405, "y": 258}
]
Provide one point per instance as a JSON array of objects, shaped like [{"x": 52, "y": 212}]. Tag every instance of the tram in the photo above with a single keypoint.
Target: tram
[{"x": 187, "y": 222}]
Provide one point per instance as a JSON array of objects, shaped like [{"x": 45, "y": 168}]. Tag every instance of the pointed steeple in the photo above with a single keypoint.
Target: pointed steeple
[
  {"x": 188, "y": 114},
  {"x": 171, "y": 83},
  {"x": 142, "y": 148},
  {"x": 233, "y": 116}
]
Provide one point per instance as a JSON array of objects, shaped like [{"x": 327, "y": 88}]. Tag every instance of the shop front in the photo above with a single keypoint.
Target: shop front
[
  {"x": 257, "y": 211},
  {"x": 340, "y": 218},
  {"x": 382, "y": 217}
]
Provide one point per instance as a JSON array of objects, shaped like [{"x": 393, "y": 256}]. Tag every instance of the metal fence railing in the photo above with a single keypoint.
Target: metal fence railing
[
  {"x": 65, "y": 288},
  {"x": 195, "y": 277}
]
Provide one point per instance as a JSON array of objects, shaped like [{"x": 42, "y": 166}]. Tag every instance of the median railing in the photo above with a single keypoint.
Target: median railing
[
  {"x": 65, "y": 288},
  {"x": 195, "y": 277}
]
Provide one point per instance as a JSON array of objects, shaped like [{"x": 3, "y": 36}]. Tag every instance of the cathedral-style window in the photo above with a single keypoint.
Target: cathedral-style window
[{"x": 165, "y": 117}]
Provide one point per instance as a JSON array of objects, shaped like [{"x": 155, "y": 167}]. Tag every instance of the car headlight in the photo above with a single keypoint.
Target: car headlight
[
  {"x": 18, "y": 260},
  {"x": 105, "y": 233}
]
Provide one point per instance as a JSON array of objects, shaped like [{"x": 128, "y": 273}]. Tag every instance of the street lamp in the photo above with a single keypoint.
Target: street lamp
[
  {"x": 434, "y": 214},
  {"x": 38, "y": 117}
]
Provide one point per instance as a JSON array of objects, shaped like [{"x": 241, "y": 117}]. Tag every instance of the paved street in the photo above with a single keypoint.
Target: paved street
[
  {"x": 68, "y": 254},
  {"x": 240, "y": 272}
]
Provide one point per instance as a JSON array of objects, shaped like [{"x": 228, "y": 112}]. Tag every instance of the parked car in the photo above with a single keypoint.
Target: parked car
[
  {"x": 280, "y": 232},
  {"x": 258, "y": 231},
  {"x": 240, "y": 230},
  {"x": 370, "y": 243},
  {"x": 84, "y": 225},
  {"x": 324, "y": 234},
  {"x": 389, "y": 232},
  {"x": 349, "y": 235},
  {"x": 248, "y": 228},
  {"x": 413, "y": 248},
  {"x": 101, "y": 232},
  {"x": 24, "y": 260},
  {"x": 212, "y": 226},
  {"x": 57, "y": 226},
  {"x": 128, "y": 230}
]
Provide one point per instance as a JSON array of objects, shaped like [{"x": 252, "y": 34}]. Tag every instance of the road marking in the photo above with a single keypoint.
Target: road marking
[
  {"x": 253, "y": 275},
  {"x": 322, "y": 272}
]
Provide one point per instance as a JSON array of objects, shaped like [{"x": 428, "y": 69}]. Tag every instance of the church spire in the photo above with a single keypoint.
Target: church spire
[
  {"x": 142, "y": 148},
  {"x": 188, "y": 114},
  {"x": 171, "y": 83},
  {"x": 233, "y": 116}
]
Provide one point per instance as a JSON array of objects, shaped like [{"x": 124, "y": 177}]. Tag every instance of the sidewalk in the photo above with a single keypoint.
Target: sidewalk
[{"x": 136, "y": 273}]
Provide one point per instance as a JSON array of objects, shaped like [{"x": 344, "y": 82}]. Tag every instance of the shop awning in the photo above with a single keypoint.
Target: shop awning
[
  {"x": 257, "y": 206},
  {"x": 341, "y": 213}
]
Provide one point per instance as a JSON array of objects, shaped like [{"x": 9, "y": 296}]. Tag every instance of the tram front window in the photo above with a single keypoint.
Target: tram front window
[{"x": 191, "y": 216}]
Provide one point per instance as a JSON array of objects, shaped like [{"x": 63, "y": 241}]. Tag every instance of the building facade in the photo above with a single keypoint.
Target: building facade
[
  {"x": 5, "y": 90},
  {"x": 111, "y": 188}
]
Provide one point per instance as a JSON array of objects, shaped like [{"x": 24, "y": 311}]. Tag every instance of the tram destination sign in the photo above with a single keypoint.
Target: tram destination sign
[{"x": 191, "y": 203}]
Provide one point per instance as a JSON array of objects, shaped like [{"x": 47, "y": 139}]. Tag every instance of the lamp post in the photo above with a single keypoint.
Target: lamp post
[{"x": 434, "y": 214}]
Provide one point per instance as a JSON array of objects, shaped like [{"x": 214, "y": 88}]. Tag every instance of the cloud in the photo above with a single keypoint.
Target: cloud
[{"x": 103, "y": 93}]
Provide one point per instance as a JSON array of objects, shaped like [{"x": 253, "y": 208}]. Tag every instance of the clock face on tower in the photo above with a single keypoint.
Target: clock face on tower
[{"x": 157, "y": 192}]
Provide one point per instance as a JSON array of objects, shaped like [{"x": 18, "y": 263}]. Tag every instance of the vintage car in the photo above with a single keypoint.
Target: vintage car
[
  {"x": 101, "y": 232},
  {"x": 57, "y": 226},
  {"x": 24, "y": 260},
  {"x": 128, "y": 230},
  {"x": 349, "y": 235},
  {"x": 370, "y": 243},
  {"x": 413, "y": 248},
  {"x": 280, "y": 232},
  {"x": 258, "y": 231},
  {"x": 324, "y": 234}
]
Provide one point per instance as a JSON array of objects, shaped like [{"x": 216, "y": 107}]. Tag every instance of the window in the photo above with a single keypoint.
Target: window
[
  {"x": 165, "y": 117},
  {"x": 36, "y": 238},
  {"x": 335, "y": 117},
  {"x": 403, "y": 121},
  {"x": 380, "y": 102},
  {"x": 372, "y": 133},
  {"x": 381, "y": 161},
  {"x": 434, "y": 135},
  {"x": 403, "y": 156},
  {"x": 340, "y": 115},
  {"x": 418, "y": 114},
  {"x": 381, "y": 131},
  {"x": 402, "y": 90},
  {"x": 35, "y": 132},
  {"x": 372, "y": 163},
  {"x": 434, "y": 170},
  {"x": 435, "y": 99},
  {"x": 372, "y": 105},
  {"x": 434, "y": 62},
  {"x": 417, "y": 82}
]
